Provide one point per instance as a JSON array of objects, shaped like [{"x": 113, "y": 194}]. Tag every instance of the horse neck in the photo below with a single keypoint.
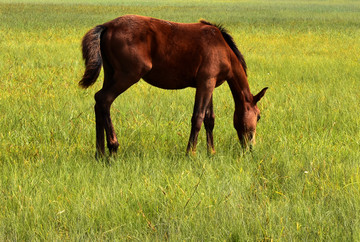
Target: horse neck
[{"x": 239, "y": 87}]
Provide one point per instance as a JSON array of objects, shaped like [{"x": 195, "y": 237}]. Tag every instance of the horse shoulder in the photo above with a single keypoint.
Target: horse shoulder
[{"x": 217, "y": 58}]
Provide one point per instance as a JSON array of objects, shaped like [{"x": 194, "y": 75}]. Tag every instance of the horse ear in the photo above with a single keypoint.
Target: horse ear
[{"x": 258, "y": 96}]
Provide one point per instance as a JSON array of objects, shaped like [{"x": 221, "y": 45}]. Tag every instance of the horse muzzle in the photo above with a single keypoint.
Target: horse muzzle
[{"x": 248, "y": 140}]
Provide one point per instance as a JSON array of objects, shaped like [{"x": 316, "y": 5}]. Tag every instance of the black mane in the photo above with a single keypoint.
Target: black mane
[{"x": 230, "y": 41}]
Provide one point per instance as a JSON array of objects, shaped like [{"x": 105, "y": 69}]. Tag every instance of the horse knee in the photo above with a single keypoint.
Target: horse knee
[{"x": 196, "y": 121}]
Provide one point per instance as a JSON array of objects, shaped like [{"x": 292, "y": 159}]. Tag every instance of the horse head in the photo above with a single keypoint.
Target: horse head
[{"x": 246, "y": 117}]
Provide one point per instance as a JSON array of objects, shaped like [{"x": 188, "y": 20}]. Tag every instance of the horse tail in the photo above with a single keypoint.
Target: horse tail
[{"x": 92, "y": 55}]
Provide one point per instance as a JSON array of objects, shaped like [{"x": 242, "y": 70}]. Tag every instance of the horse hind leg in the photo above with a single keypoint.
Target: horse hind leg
[
  {"x": 103, "y": 122},
  {"x": 113, "y": 87},
  {"x": 99, "y": 120},
  {"x": 104, "y": 100}
]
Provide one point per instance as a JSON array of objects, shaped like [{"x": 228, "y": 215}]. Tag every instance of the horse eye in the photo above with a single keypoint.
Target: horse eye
[{"x": 258, "y": 118}]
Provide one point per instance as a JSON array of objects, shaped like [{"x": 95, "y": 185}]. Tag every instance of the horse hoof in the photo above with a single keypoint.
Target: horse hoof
[
  {"x": 99, "y": 155},
  {"x": 211, "y": 152}
]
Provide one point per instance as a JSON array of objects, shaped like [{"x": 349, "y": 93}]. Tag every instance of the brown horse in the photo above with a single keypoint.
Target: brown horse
[{"x": 168, "y": 55}]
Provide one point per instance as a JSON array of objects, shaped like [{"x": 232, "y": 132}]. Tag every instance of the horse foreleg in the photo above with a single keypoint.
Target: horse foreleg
[
  {"x": 202, "y": 99},
  {"x": 209, "y": 122},
  {"x": 196, "y": 122}
]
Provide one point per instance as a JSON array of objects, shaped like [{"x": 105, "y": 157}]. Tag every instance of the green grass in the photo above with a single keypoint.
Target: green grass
[{"x": 301, "y": 182}]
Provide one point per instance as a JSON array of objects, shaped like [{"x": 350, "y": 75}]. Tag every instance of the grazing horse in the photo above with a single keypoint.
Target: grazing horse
[{"x": 168, "y": 55}]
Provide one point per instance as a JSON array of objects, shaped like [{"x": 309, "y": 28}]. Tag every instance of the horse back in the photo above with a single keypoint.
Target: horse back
[{"x": 166, "y": 54}]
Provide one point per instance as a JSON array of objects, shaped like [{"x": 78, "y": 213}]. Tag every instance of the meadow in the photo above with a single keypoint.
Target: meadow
[{"x": 300, "y": 183}]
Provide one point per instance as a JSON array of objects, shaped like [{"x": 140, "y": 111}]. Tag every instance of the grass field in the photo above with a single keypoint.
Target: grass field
[{"x": 301, "y": 182}]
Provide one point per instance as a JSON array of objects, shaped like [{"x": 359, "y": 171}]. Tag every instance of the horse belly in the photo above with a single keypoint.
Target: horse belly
[
  {"x": 173, "y": 73},
  {"x": 168, "y": 80}
]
